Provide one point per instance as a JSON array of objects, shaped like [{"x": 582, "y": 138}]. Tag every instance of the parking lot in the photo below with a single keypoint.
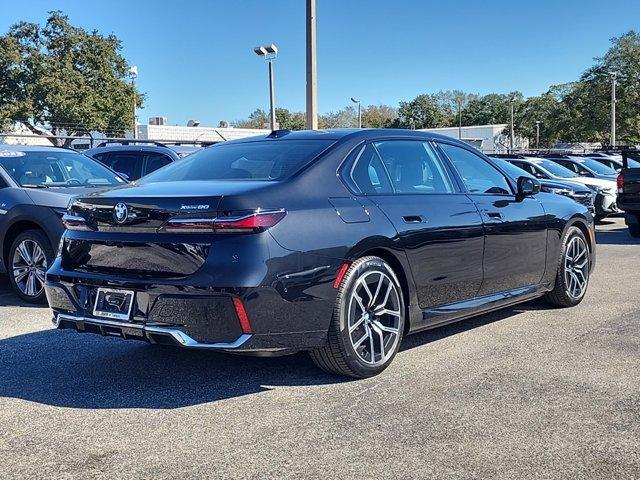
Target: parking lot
[{"x": 525, "y": 392}]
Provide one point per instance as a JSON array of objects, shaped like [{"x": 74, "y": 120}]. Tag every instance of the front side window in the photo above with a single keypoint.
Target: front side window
[
  {"x": 56, "y": 169},
  {"x": 268, "y": 160},
  {"x": 477, "y": 175},
  {"x": 414, "y": 167}
]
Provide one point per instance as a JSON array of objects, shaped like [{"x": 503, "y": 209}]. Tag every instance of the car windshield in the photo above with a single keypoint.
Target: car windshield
[
  {"x": 554, "y": 169},
  {"x": 266, "y": 161},
  {"x": 42, "y": 169},
  {"x": 511, "y": 170},
  {"x": 633, "y": 163},
  {"x": 596, "y": 166}
]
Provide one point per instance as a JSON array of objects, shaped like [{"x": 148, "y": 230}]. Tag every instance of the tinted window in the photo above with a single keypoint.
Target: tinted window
[
  {"x": 154, "y": 162},
  {"x": 597, "y": 167},
  {"x": 270, "y": 160},
  {"x": 554, "y": 168},
  {"x": 513, "y": 170},
  {"x": 476, "y": 173},
  {"x": 414, "y": 167},
  {"x": 128, "y": 163},
  {"x": 54, "y": 168},
  {"x": 368, "y": 173}
]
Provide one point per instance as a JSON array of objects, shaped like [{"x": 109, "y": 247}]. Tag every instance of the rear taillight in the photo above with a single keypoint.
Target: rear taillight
[
  {"x": 255, "y": 222},
  {"x": 620, "y": 182}
]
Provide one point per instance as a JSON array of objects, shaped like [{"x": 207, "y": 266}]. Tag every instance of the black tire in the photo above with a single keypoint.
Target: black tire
[
  {"x": 634, "y": 231},
  {"x": 39, "y": 238},
  {"x": 339, "y": 356},
  {"x": 560, "y": 296}
]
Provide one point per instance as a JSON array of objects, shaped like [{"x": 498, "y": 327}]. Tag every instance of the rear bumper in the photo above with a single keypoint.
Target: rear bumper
[
  {"x": 606, "y": 205},
  {"x": 152, "y": 333}
]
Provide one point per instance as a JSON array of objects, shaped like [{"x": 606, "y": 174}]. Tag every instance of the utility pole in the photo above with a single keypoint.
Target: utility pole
[
  {"x": 538, "y": 133},
  {"x": 459, "y": 118},
  {"x": 312, "y": 73},
  {"x": 134, "y": 74},
  {"x": 613, "y": 109},
  {"x": 511, "y": 136}
]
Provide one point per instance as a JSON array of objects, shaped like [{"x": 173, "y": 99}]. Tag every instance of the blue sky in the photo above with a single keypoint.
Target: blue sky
[{"x": 196, "y": 61}]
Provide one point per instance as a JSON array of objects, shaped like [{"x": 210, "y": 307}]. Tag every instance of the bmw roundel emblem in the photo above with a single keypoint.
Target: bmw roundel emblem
[{"x": 121, "y": 213}]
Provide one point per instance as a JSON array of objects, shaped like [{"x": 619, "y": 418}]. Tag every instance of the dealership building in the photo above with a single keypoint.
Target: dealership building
[{"x": 487, "y": 138}]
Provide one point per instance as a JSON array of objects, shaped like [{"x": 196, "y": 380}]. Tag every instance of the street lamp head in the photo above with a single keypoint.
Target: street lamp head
[
  {"x": 355, "y": 100},
  {"x": 133, "y": 70},
  {"x": 267, "y": 51}
]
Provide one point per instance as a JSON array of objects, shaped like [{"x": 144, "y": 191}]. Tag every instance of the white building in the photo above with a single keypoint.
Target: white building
[
  {"x": 26, "y": 136},
  {"x": 487, "y": 138},
  {"x": 178, "y": 133}
]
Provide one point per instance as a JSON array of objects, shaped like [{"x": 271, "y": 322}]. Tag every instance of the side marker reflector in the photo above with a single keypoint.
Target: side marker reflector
[
  {"x": 343, "y": 269},
  {"x": 242, "y": 315}
]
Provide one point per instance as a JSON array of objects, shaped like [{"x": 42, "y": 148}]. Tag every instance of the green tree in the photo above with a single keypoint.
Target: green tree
[
  {"x": 62, "y": 75},
  {"x": 378, "y": 116},
  {"x": 421, "y": 112},
  {"x": 491, "y": 109}
]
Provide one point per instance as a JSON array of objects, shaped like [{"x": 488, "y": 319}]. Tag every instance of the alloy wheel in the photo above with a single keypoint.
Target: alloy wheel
[
  {"x": 374, "y": 318},
  {"x": 576, "y": 267},
  {"x": 29, "y": 267}
]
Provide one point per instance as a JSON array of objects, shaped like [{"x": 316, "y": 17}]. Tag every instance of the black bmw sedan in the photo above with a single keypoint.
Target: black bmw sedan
[{"x": 334, "y": 242}]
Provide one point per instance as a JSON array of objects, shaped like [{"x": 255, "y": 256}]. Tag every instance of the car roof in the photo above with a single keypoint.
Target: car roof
[
  {"x": 34, "y": 148},
  {"x": 342, "y": 134},
  {"x": 135, "y": 148}
]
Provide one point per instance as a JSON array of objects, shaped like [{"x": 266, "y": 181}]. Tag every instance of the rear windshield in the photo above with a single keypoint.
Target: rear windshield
[
  {"x": 56, "y": 169},
  {"x": 265, "y": 161}
]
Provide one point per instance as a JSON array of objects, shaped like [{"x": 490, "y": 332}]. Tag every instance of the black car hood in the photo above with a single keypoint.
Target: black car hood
[{"x": 56, "y": 197}]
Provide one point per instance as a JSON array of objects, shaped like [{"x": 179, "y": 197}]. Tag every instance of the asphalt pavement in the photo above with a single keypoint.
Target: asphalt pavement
[{"x": 527, "y": 392}]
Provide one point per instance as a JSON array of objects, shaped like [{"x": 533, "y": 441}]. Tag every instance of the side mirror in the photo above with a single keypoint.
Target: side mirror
[{"x": 528, "y": 186}]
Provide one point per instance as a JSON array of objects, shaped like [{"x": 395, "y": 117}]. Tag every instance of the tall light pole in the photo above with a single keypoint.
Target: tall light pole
[
  {"x": 312, "y": 72},
  {"x": 269, "y": 52},
  {"x": 613, "y": 108},
  {"x": 355, "y": 100},
  {"x": 538, "y": 122},
  {"x": 133, "y": 71},
  {"x": 459, "y": 118},
  {"x": 511, "y": 136}
]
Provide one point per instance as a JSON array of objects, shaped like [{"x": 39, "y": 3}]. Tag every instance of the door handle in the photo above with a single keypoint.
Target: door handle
[
  {"x": 413, "y": 219},
  {"x": 495, "y": 215}
]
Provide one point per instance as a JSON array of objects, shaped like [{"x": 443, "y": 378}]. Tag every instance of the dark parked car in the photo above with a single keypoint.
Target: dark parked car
[
  {"x": 36, "y": 184},
  {"x": 133, "y": 160},
  {"x": 629, "y": 192},
  {"x": 575, "y": 191},
  {"x": 334, "y": 242}
]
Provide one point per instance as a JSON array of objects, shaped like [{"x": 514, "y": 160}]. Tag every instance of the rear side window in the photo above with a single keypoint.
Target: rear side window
[
  {"x": 414, "y": 167},
  {"x": 368, "y": 173},
  {"x": 477, "y": 174},
  {"x": 269, "y": 160}
]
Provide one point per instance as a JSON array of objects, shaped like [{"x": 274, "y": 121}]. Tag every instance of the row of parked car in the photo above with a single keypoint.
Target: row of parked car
[
  {"x": 37, "y": 183},
  {"x": 590, "y": 179}
]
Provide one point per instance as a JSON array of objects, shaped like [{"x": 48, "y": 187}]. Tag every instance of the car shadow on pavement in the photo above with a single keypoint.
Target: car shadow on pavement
[
  {"x": 67, "y": 369},
  {"x": 617, "y": 236},
  {"x": 10, "y": 299}
]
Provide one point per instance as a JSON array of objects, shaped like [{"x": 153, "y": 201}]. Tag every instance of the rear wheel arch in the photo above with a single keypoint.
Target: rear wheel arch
[{"x": 401, "y": 274}]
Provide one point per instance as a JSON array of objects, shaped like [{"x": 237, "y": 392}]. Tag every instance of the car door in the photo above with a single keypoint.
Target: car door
[
  {"x": 438, "y": 226},
  {"x": 515, "y": 228}
]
